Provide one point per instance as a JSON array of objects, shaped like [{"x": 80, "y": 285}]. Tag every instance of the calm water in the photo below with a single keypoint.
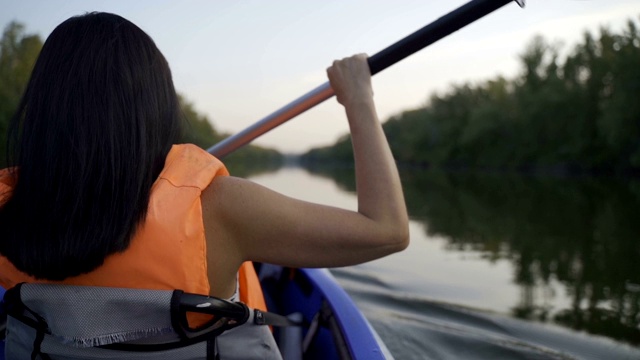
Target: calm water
[{"x": 499, "y": 266}]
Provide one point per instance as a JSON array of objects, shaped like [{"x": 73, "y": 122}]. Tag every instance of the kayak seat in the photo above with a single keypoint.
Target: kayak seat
[{"x": 45, "y": 321}]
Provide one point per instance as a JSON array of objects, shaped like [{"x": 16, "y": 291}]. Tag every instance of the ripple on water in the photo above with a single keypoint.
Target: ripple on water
[{"x": 422, "y": 328}]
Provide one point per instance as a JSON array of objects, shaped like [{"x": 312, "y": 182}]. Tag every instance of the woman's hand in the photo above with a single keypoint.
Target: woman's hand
[{"x": 350, "y": 79}]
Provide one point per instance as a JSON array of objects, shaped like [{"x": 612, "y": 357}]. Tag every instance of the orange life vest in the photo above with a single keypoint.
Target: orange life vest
[{"x": 169, "y": 250}]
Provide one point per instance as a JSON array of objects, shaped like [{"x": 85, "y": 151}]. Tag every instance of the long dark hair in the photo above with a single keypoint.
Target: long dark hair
[{"x": 90, "y": 137}]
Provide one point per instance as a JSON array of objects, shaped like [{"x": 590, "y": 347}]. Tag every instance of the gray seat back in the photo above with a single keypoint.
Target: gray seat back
[{"x": 77, "y": 322}]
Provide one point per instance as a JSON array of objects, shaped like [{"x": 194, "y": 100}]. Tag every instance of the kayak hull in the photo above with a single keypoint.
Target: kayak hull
[{"x": 314, "y": 292}]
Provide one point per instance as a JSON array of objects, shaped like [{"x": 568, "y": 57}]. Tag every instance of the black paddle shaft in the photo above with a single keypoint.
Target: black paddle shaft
[
  {"x": 435, "y": 31},
  {"x": 420, "y": 39}
]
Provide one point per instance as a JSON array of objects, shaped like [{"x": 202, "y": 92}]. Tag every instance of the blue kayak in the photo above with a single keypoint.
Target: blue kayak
[
  {"x": 335, "y": 328},
  {"x": 343, "y": 331}
]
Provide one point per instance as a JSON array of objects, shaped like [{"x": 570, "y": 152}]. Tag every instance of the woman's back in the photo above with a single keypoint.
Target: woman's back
[
  {"x": 92, "y": 134},
  {"x": 97, "y": 190},
  {"x": 168, "y": 250},
  {"x": 90, "y": 137}
]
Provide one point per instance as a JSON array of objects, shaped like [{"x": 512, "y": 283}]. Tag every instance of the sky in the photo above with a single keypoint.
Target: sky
[{"x": 239, "y": 60}]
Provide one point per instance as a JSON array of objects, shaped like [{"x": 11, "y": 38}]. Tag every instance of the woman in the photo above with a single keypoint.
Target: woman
[{"x": 98, "y": 193}]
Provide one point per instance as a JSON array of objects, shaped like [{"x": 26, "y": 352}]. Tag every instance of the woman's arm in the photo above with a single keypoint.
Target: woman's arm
[
  {"x": 245, "y": 221},
  {"x": 378, "y": 185}
]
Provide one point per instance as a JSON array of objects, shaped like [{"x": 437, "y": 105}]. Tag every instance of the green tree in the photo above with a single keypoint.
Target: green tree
[
  {"x": 197, "y": 128},
  {"x": 577, "y": 113},
  {"x": 246, "y": 161},
  {"x": 619, "y": 82},
  {"x": 18, "y": 54}
]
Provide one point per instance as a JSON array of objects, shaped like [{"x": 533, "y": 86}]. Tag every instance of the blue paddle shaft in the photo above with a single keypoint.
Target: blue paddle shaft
[{"x": 420, "y": 39}]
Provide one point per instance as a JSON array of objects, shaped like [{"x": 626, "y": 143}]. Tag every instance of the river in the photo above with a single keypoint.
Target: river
[{"x": 499, "y": 267}]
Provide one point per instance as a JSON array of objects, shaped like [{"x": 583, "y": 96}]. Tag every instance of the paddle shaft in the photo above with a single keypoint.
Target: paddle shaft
[{"x": 420, "y": 39}]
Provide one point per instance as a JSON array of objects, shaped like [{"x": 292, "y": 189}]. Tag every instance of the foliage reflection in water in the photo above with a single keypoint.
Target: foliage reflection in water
[{"x": 579, "y": 233}]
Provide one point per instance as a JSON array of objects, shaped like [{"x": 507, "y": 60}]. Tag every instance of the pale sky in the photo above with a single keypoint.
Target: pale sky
[{"x": 238, "y": 61}]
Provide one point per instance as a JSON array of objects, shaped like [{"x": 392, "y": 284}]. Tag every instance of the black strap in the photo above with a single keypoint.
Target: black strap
[
  {"x": 341, "y": 345},
  {"x": 312, "y": 332},
  {"x": 37, "y": 343},
  {"x": 227, "y": 315},
  {"x": 212, "y": 353},
  {"x": 272, "y": 319},
  {"x": 13, "y": 306},
  {"x": 177, "y": 321},
  {"x": 325, "y": 318},
  {"x": 3, "y": 320}
]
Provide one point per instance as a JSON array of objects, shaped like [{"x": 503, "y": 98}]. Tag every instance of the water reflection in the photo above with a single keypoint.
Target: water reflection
[
  {"x": 581, "y": 233},
  {"x": 239, "y": 167}
]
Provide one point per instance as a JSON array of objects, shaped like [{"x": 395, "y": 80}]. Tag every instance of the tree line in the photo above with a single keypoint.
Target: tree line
[
  {"x": 18, "y": 54},
  {"x": 578, "y": 112}
]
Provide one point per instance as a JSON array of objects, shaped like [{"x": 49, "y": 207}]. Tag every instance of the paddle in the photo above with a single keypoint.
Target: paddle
[{"x": 420, "y": 39}]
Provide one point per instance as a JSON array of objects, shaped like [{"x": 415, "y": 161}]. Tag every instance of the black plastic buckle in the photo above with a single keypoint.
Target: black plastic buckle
[{"x": 258, "y": 317}]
